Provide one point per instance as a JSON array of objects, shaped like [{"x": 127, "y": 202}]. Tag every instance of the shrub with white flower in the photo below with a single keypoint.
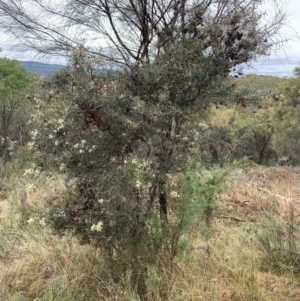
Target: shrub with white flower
[{"x": 116, "y": 150}]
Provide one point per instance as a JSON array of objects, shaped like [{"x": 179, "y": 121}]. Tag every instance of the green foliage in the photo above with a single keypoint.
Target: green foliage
[
  {"x": 120, "y": 148},
  {"x": 14, "y": 80},
  {"x": 200, "y": 187},
  {"x": 262, "y": 125},
  {"x": 259, "y": 86},
  {"x": 13, "y": 76},
  {"x": 120, "y": 137},
  {"x": 285, "y": 116},
  {"x": 291, "y": 91},
  {"x": 297, "y": 72},
  {"x": 236, "y": 133}
]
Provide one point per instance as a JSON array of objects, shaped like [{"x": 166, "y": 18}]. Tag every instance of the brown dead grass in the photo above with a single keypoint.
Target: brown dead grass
[
  {"x": 258, "y": 190},
  {"x": 4, "y": 208},
  {"x": 229, "y": 265}
]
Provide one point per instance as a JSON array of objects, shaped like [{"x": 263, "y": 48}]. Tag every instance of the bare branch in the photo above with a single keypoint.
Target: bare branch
[{"x": 127, "y": 32}]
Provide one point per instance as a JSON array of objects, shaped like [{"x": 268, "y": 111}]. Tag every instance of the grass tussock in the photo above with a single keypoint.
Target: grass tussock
[{"x": 250, "y": 252}]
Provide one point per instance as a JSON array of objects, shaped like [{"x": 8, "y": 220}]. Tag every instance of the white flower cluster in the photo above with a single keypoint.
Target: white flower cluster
[
  {"x": 138, "y": 184},
  {"x": 51, "y": 179},
  {"x": 11, "y": 145},
  {"x": 203, "y": 125},
  {"x": 31, "y": 145},
  {"x": 33, "y": 171},
  {"x": 143, "y": 164},
  {"x": 30, "y": 187},
  {"x": 35, "y": 116},
  {"x": 72, "y": 182},
  {"x": 56, "y": 124},
  {"x": 82, "y": 147},
  {"x": 174, "y": 194},
  {"x": 60, "y": 124},
  {"x": 193, "y": 135},
  {"x": 42, "y": 222},
  {"x": 62, "y": 167},
  {"x": 34, "y": 134},
  {"x": 97, "y": 228}
]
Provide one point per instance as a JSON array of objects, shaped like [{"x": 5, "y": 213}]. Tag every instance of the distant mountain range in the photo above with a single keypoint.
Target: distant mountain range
[{"x": 41, "y": 68}]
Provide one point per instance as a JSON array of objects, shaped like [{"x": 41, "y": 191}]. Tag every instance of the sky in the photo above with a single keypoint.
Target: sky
[{"x": 280, "y": 63}]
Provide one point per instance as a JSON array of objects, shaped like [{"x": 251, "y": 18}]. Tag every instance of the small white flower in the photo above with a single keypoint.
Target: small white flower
[
  {"x": 97, "y": 227},
  {"x": 28, "y": 171},
  {"x": 42, "y": 222},
  {"x": 81, "y": 151},
  {"x": 134, "y": 161},
  {"x": 138, "y": 184},
  {"x": 30, "y": 145},
  {"x": 83, "y": 141},
  {"x": 185, "y": 138},
  {"x": 100, "y": 201},
  {"x": 56, "y": 142},
  {"x": 30, "y": 221},
  {"x": 203, "y": 125},
  {"x": 62, "y": 167},
  {"x": 174, "y": 194},
  {"x": 51, "y": 136},
  {"x": 36, "y": 172},
  {"x": 34, "y": 133},
  {"x": 76, "y": 145}
]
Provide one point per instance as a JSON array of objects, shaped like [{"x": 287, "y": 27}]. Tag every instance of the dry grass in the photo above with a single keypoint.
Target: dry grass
[{"x": 228, "y": 265}]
